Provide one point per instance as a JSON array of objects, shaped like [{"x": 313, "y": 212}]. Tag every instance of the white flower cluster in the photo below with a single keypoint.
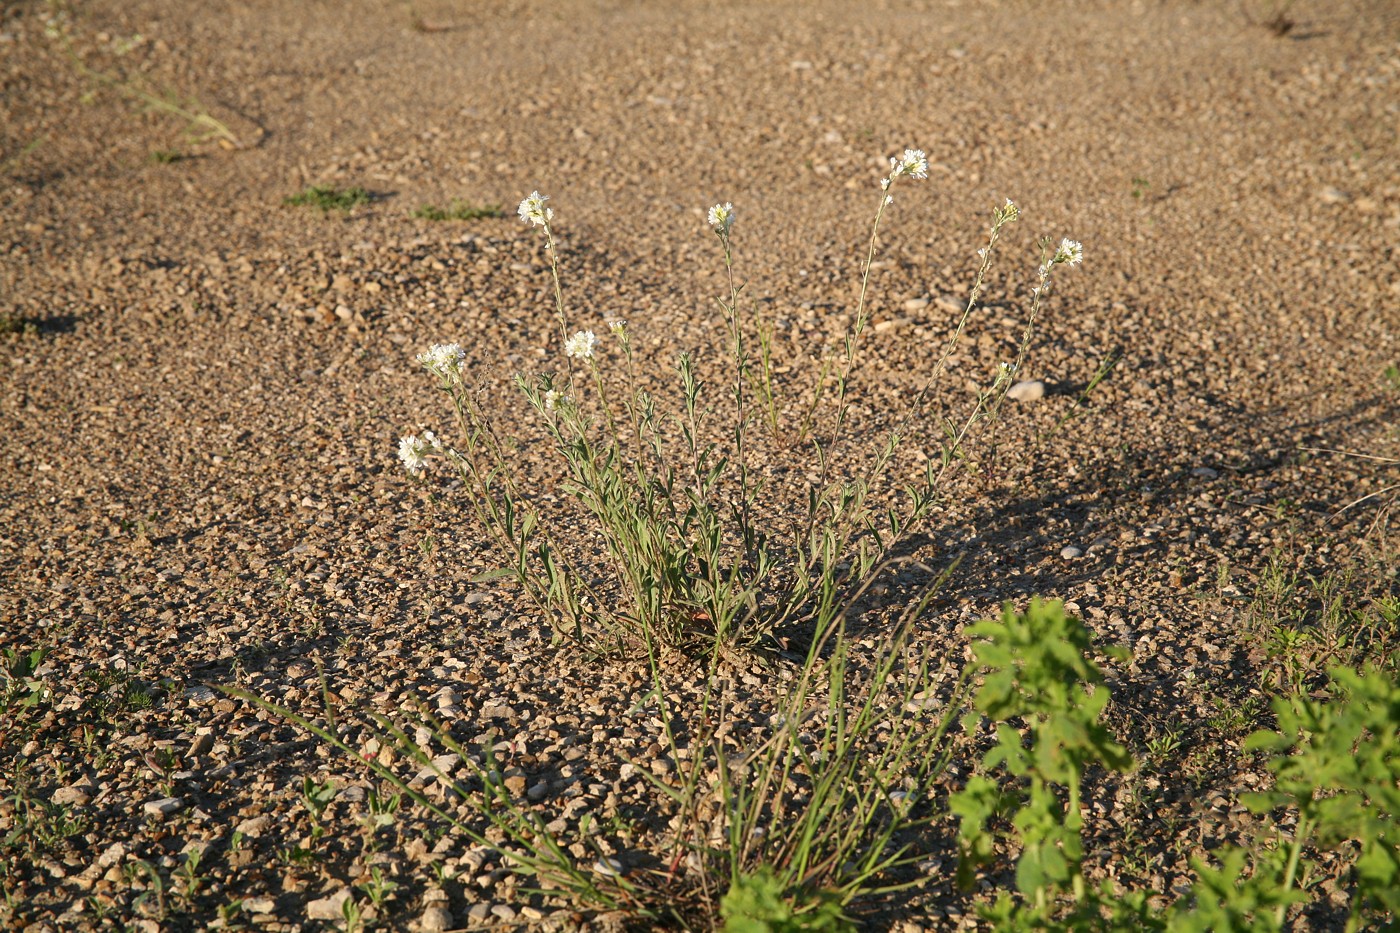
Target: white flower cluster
[
  {"x": 414, "y": 451},
  {"x": 532, "y": 210},
  {"x": 444, "y": 360},
  {"x": 553, "y": 399},
  {"x": 581, "y": 345},
  {"x": 913, "y": 163},
  {"x": 1070, "y": 251},
  {"x": 722, "y": 218}
]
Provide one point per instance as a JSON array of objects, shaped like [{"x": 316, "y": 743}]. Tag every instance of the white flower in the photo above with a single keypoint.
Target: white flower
[
  {"x": 913, "y": 163},
  {"x": 431, "y": 440},
  {"x": 1045, "y": 267},
  {"x": 532, "y": 210},
  {"x": 721, "y": 217},
  {"x": 889, "y": 199},
  {"x": 444, "y": 360},
  {"x": 413, "y": 452},
  {"x": 884, "y": 184},
  {"x": 581, "y": 345},
  {"x": 617, "y": 326},
  {"x": 553, "y": 398},
  {"x": 1070, "y": 251},
  {"x": 982, "y": 253}
]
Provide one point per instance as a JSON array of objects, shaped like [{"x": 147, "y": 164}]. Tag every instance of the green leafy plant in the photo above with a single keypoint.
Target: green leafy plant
[
  {"x": 378, "y": 888},
  {"x": 152, "y": 897},
  {"x": 762, "y": 903},
  {"x": 190, "y": 878},
  {"x": 20, "y": 685},
  {"x": 316, "y": 796},
  {"x": 1037, "y": 668},
  {"x": 1349, "y": 745},
  {"x": 1336, "y": 761},
  {"x": 329, "y": 198}
]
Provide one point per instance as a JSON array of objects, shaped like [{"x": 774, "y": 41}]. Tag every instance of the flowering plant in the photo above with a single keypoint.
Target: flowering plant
[{"x": 689, "y": 559}]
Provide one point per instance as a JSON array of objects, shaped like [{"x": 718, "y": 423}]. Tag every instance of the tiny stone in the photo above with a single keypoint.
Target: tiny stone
[
  {"x": 1028, "y": 391},
  {"x": 539, "y": 791},
  {"x": 199, "y": 693},
  {"x": 504, "y": 912},
  {"x": 1070, "y": 552},
  {"x": 163, "y": 807},
  {"x": 916, "y": 304},
  {"x": 1205, "y": 472},
  {"x": 515, "y": 785},
  {"x": 112, "y": 856},
  {"x": 200, "y": 746},
  {"x": 259, "y": 905},
  {"x": 609, "y": 867},
  {"x": 435, "y": 920},
  {"x": 255, "y": 827},
  {"x": 328, "y": 908},
  {"x": 479, "y": 912},
  {"x": 74, "y": 795}
]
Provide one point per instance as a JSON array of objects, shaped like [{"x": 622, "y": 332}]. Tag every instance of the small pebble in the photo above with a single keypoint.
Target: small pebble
[
  {"x": 1070, "y": 552},
  {"x": 1028, "y": 391},
  {"x": 163, "y": 807},
  {"x": 609, "y": 867},
  {"x": 74, "y": 795},
  {"x": 435, "y": 920},
  {"x": 916, "y": 304},
  {"x": 1205, "y": 472},
  {"x": 328, "y": 908}
]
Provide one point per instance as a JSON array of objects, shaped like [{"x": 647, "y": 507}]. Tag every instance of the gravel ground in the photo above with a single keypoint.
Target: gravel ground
[{"x": 204, "y": 389}]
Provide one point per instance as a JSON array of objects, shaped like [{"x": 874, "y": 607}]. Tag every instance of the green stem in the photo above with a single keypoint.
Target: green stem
[{"x": 1300, "y": 836}]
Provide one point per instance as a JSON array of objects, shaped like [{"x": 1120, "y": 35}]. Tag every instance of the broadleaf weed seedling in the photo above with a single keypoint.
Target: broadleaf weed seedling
[{"x": 328, "y": 198}]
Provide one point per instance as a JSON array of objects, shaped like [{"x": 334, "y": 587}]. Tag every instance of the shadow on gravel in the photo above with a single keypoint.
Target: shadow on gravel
[{"x": 27, "y": 324}]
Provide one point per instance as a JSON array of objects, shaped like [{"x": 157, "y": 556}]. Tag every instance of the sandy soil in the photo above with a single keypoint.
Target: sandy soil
[{"x": 205, "y": 386}]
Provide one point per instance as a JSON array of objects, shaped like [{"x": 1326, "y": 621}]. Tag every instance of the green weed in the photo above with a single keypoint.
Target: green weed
[{"x": 329, "y": 198}]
